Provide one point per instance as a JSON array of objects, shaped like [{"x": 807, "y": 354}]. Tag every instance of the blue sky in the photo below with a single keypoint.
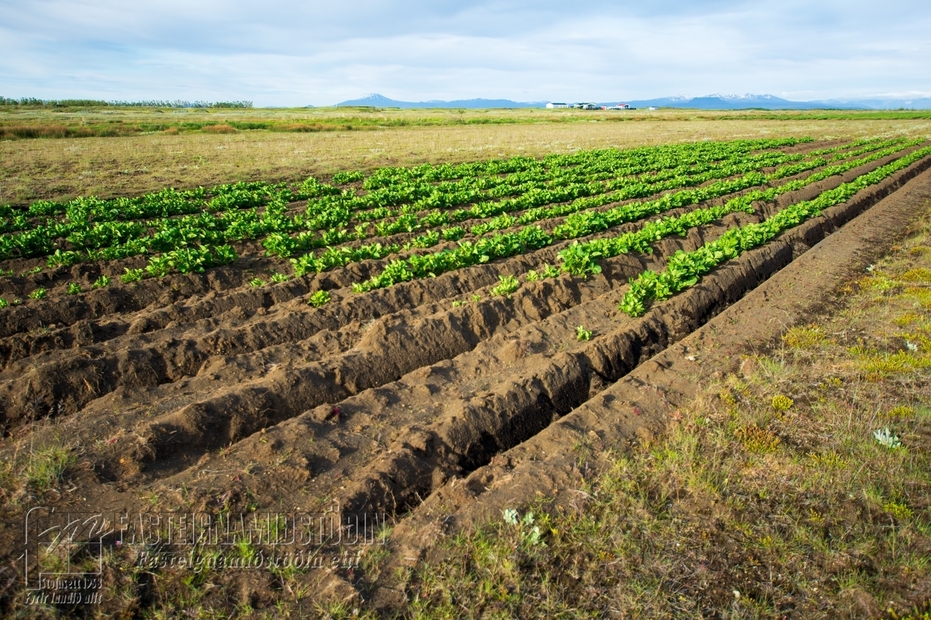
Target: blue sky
[{"x": 298, "y": 53}]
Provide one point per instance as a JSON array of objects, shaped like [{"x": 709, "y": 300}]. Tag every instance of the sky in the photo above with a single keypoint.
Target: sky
[{"x": 290, "y": 53}]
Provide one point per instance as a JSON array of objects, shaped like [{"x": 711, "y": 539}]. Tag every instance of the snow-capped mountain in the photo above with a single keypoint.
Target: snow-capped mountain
[
  {"x": 380, "y": 101},
  {"x": 713, "y": 101}
]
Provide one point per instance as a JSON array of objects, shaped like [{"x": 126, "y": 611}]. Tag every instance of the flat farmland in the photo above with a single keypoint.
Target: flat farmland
[
  {"x": 376, "y": 319},
  {"x": 147, "y": 155}
]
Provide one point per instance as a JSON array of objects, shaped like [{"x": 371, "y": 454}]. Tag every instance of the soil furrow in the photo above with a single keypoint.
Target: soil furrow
[
  {"x": 67, "y": 385},
  {"x": 639, "y": 407},
  {"x": 471, "y": 431}
]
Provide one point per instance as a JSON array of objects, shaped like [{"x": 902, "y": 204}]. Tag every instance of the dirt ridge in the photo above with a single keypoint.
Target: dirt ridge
[{"x": 636, "y": 409}]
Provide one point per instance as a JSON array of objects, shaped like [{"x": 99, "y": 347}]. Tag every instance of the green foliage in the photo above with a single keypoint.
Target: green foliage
[
  {"x": 312, "y": 188},
  {"x": 427, "y": 240},
  {"x": 3, "y": 303},
  {"x": 64, "y": 259},
  {"x": 529, "y": 534},
  {"x": 187, "y": 231},
  {"x": 684, "y": 269},
  {"x": 582, "y": 334},
  {"x": 506, "y": 285},
  {"x": 109, "y": 229},
  {"x": 223, "y": 255},
  {"x": 190, "y": 260},
  {"x": 39, "y": 293},
  {"x": 101, "y": 282},
  {"x": 548, "y": 271},
  {"x": 319, "y": 298},
  {"x": 132, "y": 275},
  {"x": 279, "y": 244},
  {"x": 338, "y": 257},
  {"x": 581, "y": 260},
  {"x": 887, "y": 438},
  {"x": 342, "y": 178},
  {"x": 47, "y": 467},
  {"x": 74, "y": 288},
  {"x": 466, "y": 254},
  {"x": 454, "y": 233}
]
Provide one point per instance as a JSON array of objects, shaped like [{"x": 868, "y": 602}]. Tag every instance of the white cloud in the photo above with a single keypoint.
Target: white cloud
[{"x": 288, "y": 53}]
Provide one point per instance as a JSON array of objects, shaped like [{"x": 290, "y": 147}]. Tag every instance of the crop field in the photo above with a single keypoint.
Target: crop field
[
  {"x": 151, "y": 149},
  {"x": 369, "y": 337}
]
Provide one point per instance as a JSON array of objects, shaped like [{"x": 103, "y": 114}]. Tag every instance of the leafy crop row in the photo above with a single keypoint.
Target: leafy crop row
[
  {"x": 189, "y": 231},
  {"x": 684, "y": 269},
  {"x": 581, "y": 258},
  {"x": 385, "y": 177},
  {"x": 90, "y": 229}
]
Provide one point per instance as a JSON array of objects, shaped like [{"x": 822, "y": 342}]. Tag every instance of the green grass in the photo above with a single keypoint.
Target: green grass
[
  {"x": 30, "y": 474},
  {"x": 47, "y": 467}
]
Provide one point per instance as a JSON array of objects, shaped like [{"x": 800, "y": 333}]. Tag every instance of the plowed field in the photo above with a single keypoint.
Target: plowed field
[{"x": 459, "y": 321}]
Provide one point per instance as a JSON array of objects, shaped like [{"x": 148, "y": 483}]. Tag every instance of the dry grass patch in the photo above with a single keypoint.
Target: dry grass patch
[
  {"x": 219, "y": 128},
  {"x": 804, "y": 337}
]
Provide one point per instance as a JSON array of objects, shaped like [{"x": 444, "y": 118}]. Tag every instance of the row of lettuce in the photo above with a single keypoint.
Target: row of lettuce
[
  {"x": 92, "y": 229},
  {"x": 513, "y": 196},
  {"x": 582, "y": 258},
  {"x": 684, "y": 269}
]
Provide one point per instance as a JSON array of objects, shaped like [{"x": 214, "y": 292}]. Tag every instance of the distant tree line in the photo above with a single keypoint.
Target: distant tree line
[{"x": 93, "y": 103}]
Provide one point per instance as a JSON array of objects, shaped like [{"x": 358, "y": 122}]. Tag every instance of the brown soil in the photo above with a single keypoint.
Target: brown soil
[{"x": 206, "y": 394}]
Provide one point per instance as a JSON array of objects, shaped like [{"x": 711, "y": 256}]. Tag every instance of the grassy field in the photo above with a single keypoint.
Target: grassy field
[{"x": 155, "y": 148}]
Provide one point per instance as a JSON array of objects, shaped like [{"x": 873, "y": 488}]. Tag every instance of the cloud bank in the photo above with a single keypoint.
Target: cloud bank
[{"x": 298, "y": 53}]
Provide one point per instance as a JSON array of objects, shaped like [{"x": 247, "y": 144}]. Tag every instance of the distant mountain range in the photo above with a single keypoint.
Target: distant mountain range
[
  {"x": 707, "y": 102},
  {"x": 380, "y": 101},
  {"x": 770, "y": 102}
]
